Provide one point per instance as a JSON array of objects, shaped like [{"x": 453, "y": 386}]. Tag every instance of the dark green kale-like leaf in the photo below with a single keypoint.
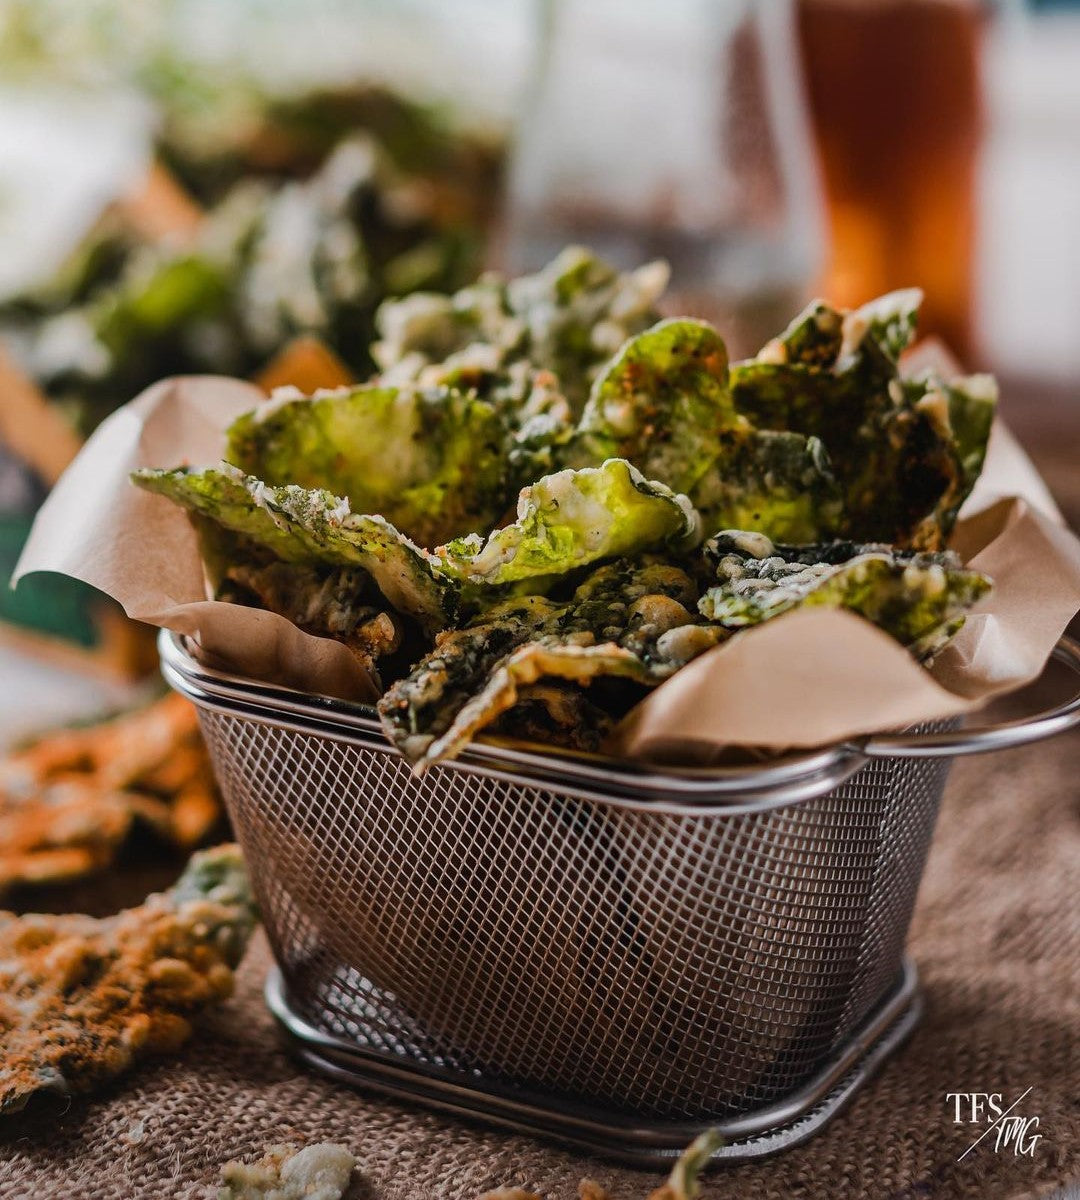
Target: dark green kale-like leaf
[
  {"x": 902, "y": 469},
  {"x": 629, "y": 620},
  {"x": 915, "y": 598},
  {"x": 779, "y": 483}
]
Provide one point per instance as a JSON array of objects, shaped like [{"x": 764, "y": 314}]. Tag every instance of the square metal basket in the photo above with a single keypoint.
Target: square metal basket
[{"x": 575, "y": 946}]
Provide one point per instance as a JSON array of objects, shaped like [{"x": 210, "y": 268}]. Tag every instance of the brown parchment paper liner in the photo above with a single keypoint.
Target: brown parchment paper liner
[
  {"x": 805, "y": 679},
  {"x": 141, "y": 549}
]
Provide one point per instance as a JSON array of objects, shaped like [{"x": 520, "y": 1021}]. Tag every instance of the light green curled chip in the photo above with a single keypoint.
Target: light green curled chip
[
  {"x": 431, "y": 460},
  {"x": 573, "y": 518},
  {"x": 303, "y": 525},
  {"x": 662, "y": 403}
]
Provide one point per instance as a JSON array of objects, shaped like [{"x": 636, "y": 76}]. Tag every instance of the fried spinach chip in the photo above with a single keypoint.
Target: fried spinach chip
[
  {"x": 567, "y": 319},
  {"x": 820, "y": 335},
  {"x": 431, "y": 461},
  {"x": 312, "y": 527},
  {"x": 917, "y": 598},
  {"x": 574, "y": 518},
  {"x": 904, "y": 459},
  {"x": 890, "y": 321},
  {"x": 962, "y": 410},
  {"x": 628, "y": 620},
  {"x": 779, "y": 483},
  {"x": 556, "y": 713},
  {"x": 664, "y": 404}
]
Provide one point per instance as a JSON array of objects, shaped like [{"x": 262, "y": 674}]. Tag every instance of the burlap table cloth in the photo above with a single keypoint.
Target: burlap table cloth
[{"x": 996, "y": 938}]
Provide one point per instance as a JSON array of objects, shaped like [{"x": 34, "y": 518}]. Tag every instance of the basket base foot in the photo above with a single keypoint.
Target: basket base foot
[{"x": 639, "y": 1141}]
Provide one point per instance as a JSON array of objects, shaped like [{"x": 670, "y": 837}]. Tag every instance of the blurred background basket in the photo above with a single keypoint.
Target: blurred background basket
[{"x": 574, "y": 946}]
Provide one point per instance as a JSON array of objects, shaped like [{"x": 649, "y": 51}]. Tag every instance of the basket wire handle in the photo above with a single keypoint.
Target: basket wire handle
[{"x": 1002, "y": 736}]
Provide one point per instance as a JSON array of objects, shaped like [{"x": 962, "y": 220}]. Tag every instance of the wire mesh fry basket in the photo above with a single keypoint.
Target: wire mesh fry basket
[{"x": 574, "y": 946}]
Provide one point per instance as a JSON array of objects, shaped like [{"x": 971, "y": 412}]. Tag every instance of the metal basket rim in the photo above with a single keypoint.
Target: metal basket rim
[{"x": 690, "y": 790}]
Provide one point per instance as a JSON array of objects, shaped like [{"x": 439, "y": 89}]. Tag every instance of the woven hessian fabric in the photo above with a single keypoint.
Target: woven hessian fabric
[{"x": 997, "y": 941}]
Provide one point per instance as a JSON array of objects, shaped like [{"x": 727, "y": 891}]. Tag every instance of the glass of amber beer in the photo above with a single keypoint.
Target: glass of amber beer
[{"x": 894, "y": 91}]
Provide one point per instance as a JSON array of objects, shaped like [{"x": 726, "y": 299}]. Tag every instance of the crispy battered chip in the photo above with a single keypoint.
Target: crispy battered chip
[
  {"x": 420, "y": 707},
  {"x": 629, "y": 620},
  {"x": 82, "y": 999},
  {"x": 117, "y": 752},
  {"x": 300, "y": 525},
  {"x": 780, "y": 483},
  {"x": 568, "y": 318},
  {"x": 545, "y": 658},
  {"x": 534, "y": 414},
  {"x": 328, "y": 602},
  {"x": 69, "y": 800},
  {"x": 890, "y": 320},
  {"x": 821, "y": 334},
  {"x": 431, "y": 461},
  {"x": 573, "y": 518},
  {"x": 665, "y": 405},
  {"x": 813, "y": 338},
  {"x": 919, "y": 599},
  {"x": 906, "y": 453},
  {"x": 961, "y": 410},
  {"x": 555, "y": 713},
  {"x": 69, "y": 829}
]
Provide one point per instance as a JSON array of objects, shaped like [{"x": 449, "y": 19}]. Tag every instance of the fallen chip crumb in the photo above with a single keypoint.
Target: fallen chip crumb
[
  {"x": 684, "y": 1182},
  {"x": 319, "y": 1172},
  {"x": 135, "y": 1134}
]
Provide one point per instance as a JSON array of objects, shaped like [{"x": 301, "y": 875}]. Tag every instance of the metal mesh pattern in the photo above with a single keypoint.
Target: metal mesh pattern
[{"x": 676, "y": 966}]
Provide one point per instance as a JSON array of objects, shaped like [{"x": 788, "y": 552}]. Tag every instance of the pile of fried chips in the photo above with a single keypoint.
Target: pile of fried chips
[{"x": 548, "y": 490}]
